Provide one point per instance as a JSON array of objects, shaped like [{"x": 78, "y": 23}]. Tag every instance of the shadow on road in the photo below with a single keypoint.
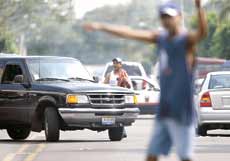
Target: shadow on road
[
  {"x": 219, "y": 135},
  {"x": 8, "y": 141}
]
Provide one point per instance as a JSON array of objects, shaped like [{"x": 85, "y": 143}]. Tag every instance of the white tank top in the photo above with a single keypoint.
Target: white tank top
[{"x": 113, "y": 79}]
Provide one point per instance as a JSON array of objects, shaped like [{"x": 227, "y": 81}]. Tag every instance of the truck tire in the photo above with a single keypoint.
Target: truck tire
[
  {"x": 51, "y": 124},
  {"x": 201, "y": 131},
  {"x": 116, "y": 134},
  {"x": 20, "y": 133}
]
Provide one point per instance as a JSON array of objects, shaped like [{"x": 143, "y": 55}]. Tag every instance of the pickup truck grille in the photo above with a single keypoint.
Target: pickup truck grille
[{"x": 106, "y": 99}]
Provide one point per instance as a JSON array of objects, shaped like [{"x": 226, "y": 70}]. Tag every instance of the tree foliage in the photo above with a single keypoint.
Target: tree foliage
[
  {"x": 220, "y": 41},
  {"x": 27, "y": 18},
  {"x": 73, "y": 41},
  {"x": 49, "y": 29},
  {"x": 216, "y": 43},
  {"x": 7, "y": 42}
]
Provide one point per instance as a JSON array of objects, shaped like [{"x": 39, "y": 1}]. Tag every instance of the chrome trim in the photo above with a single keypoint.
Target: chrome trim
[
  {"x": 111, "y": 93},
  {"x": 91, "y": 110},
  {"x": 88, "y": 118},
  {"x": 107, "y": 99},
  {"x": 103, "y": 98}
]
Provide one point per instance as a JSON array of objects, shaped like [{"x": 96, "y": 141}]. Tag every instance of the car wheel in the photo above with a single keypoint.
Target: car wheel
[
  {"x": 116, "y": 134},
  {"x": 201, "y": 131},
  {"x": 51, "y": 124},
  {"x": 20, "y": 133}
]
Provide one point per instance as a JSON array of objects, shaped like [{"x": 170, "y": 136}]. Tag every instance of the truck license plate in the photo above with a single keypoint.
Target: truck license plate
[{"x": 108, "y": 121}]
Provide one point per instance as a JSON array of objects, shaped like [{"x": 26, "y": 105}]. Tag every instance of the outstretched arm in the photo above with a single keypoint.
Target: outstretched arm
[
  {"x": 202, "y": 30},
  {"x": 123, "y": 31}
]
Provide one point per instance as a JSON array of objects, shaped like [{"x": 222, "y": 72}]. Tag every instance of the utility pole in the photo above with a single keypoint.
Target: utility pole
[
  {"x": 71, "y": 11},
  {"x": 22, "y": 47},
  {"x": 183, "y": 13}
]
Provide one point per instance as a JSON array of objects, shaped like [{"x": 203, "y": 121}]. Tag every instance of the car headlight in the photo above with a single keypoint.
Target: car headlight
[
  {"x": 131, "y": 99},
  {"x": 77, "y": 99}
]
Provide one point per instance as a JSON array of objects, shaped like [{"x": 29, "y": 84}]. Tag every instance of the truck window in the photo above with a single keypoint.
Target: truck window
[
  {"x": 132, "y": 70},
  {"x": 10, "y": 72},
  {"x": 1, "y": 69}
]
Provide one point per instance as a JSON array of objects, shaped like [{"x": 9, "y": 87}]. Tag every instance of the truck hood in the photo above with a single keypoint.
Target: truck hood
[{"x": 81, "y": 87}]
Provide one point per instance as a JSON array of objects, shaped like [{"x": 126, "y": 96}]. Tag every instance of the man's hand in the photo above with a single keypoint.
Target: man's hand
[
  {"x": 94, "y": 26},
  {"x": 198, "y": 3}
]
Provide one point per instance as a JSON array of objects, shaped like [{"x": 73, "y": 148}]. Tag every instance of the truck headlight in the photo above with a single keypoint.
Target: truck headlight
[
  {"x": 131, "y": 99},
  {"x": 77, "y": 99}
]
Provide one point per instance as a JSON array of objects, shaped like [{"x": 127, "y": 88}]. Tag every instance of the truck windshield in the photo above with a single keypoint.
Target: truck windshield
[
  {"x": 57, "y": 70},
  {"x": 132, "y": 70}
]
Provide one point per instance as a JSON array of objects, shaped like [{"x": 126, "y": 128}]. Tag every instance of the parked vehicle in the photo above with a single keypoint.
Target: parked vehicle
[
  {"x": 148, "y": 93},
  {"x": 132, "y": 68},
  {"x": 57, "y": 93},
  {"x": 213, "y": 103},
  {"x": 198, "y": 84}
]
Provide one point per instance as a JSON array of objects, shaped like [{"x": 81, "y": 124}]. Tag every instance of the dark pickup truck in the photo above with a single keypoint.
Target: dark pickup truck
[{"x": 57, "y": 93}]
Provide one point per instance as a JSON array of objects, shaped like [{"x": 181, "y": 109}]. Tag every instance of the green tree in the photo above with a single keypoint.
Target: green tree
[
  {"x": 225, "y": 12},
  {"x": 27, "y": 18},
  {"x": 205, "y": 47},
  {"x": 7, "y": 42},
  {"x": 221, "y": 41},
  {"x": 222, "y": 7}
]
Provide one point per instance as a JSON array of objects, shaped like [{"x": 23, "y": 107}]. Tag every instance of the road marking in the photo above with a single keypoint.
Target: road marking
[
  {"x": 33, "y": 155},
  {"x": 22, "y": 149},
  {"x": 11, "y": 156}
]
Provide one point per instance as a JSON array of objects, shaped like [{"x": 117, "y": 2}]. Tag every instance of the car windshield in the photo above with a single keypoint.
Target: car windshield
[
  {"x": 132, "y": 70},
  {"x": 220, "y": 81},
  {"x": 57, "y": 70}
]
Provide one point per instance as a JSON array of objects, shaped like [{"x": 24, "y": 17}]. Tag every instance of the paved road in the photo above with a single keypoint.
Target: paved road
[{"x": 92, "y": 146}]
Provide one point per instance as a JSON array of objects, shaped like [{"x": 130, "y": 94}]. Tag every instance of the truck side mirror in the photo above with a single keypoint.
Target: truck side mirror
[
  {"x": 19, "y": 79},
  {"x": 96, "y": 79}
]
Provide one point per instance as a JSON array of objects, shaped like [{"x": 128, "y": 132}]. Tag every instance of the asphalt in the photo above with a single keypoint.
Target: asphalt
[{"x": 92, "y": 146}]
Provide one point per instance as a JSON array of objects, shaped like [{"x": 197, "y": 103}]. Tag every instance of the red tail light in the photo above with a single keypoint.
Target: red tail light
[{"x": 205, "y": 100}]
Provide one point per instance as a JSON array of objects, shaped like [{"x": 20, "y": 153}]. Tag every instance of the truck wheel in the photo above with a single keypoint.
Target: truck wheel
[
  {"x": 51, "y": 124},
  {"x": 20, "y": 133},
  {"x": 116, "y": 134},
  {"x": 201, "y": 131}
]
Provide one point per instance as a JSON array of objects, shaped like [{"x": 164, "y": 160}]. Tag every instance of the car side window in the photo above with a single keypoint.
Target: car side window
[{"x": 11, "y": 71}]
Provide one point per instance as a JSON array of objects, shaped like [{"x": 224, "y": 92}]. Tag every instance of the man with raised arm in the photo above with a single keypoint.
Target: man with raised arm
[{"x": 175, "y": 120}]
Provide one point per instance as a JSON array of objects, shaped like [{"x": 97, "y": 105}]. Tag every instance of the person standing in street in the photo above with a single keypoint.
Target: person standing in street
[
  {"x": 175, "y": 120},
  {"x": 118, "y": 77}
]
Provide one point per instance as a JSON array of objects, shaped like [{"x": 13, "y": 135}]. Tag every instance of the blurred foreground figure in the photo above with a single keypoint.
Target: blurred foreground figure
[{"x": 175, "y": 121}]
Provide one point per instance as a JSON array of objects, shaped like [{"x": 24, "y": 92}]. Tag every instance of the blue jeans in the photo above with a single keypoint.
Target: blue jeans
[{"x": 169, "y": 133}]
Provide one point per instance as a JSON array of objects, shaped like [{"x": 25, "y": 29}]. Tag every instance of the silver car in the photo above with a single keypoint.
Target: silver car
[{"x": 213, "y": 102}]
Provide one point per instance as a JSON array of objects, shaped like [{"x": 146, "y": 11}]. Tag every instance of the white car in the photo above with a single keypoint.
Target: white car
[
  {"x": 213, "y": 102},
  {"x": 198, "y": 84},
  {"x": 148, "y": 93}
]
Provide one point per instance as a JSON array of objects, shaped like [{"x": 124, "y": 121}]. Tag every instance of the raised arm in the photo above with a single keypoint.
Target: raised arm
[
  {"x": 107, "y": 79},
  {"x": 202, "y": 30},
  {"x": 123, "y": 31}
]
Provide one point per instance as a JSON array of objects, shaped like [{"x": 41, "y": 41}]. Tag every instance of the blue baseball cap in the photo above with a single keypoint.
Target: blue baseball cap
[{"x": 169, "y": 8}]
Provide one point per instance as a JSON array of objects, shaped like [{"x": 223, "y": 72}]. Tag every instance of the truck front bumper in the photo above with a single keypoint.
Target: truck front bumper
[{"x": 95, "y": 118}]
